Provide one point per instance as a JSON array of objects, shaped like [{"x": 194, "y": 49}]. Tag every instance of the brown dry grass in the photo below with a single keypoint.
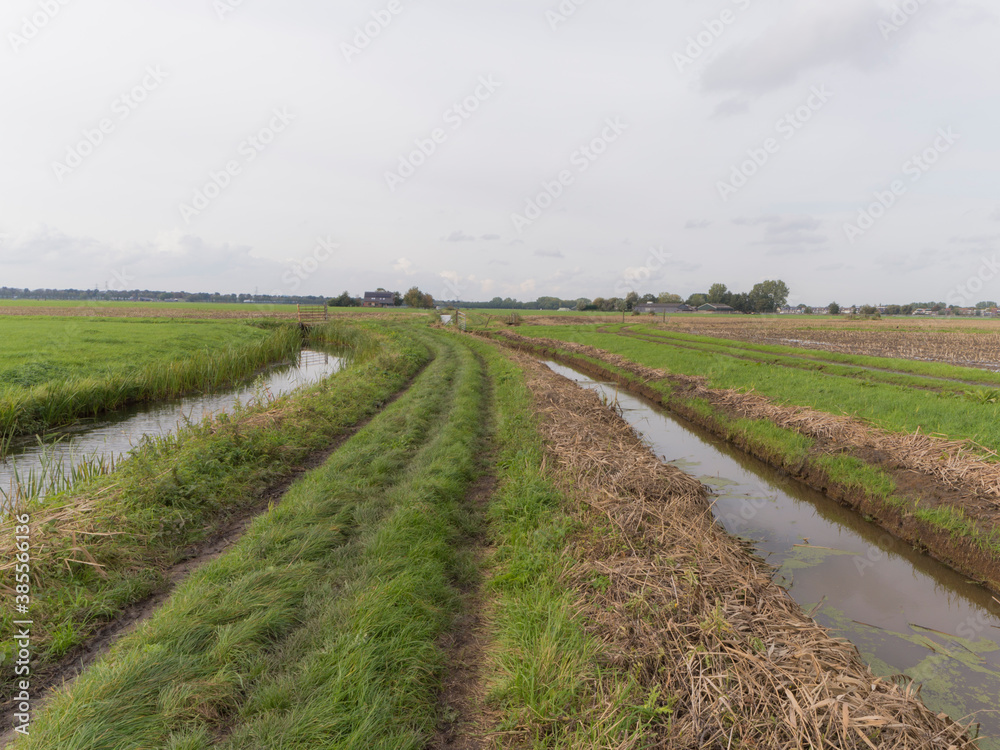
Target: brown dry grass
[
  {"x": 726, "y": 656},
  {"x": 960, "y": 464}
]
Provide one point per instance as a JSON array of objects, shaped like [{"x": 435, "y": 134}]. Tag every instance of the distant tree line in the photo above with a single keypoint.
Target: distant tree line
[{"x": 150, "y": 295}]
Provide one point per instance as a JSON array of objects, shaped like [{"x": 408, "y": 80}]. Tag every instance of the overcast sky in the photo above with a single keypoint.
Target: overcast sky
[{"x": 503, "y": 147}]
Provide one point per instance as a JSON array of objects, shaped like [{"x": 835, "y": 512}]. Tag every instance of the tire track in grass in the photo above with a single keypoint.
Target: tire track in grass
[
  {"x": 462, "y": 699},
  {"x": 138, "y": 572},
  {"x": 68, "y": 669},
  {"x": 336, "y": 546},
  {"x": 366, "y": 671}
]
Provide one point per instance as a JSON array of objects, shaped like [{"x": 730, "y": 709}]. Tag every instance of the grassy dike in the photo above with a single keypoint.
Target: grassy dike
[
  {"x": 107, "y": 544},
  {"x": 323, "y": 625},
  {"x": 65, "y": 399},
  {"x": 320, "y": 627}
]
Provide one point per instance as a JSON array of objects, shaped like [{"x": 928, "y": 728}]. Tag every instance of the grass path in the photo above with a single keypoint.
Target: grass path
[
  {"x": 320, "y": 627},
  {"x": 109, "y": 544}
]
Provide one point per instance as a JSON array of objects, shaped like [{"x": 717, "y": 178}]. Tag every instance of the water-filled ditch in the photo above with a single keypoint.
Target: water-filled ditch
[
  {"x": 113, "y": 435},
  {"x": 906, "y": 613}
]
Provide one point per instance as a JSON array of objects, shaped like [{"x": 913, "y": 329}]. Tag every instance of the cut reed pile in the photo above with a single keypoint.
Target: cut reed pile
[
  {"x": 726, "y": 657},
  {"x": 960, "y": 464}
]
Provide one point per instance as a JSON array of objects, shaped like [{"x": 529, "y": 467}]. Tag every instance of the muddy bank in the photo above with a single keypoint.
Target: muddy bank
[
  {"x": 929, "y": 470},
  {"x": 728, "y": 658}
]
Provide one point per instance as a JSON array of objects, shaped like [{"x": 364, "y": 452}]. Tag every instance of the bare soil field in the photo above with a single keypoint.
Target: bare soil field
[{"x": 970, "y": 343}]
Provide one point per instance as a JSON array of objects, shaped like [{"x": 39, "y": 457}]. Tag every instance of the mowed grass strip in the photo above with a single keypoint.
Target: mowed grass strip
[
  {"x": 319, "y": 628},
  {"x": 55, "y": 372},
  {"x": 107, "y": 544},
  {"x": 892, "y": 407}
]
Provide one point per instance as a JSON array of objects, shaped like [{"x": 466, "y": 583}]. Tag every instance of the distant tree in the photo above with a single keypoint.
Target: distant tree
[
  {"x": 630, "y": 299},
  {"x": 986, "y": 305},
  {"x": 415, "y": 298},
  {"x": 740, "y": 302},
  {"x": 870, "y": 311},
  {"x": 647, "y": 298},
  {"x": 583, "y": 304},
  {"x": 893, "y": 310},
  {"x": 696, "y": 300},
  {"x": 666, "y": 298},
  {"x": 344, "y": 300},
  {"x": 807, "y": 311},
  {"x": 717, "y": 293},
  {"x": 834, "y": 308},
  {"x": 548, "y": 303},
  {"x": 397, "y": 299},
  {"x": 769, "y": 296}
]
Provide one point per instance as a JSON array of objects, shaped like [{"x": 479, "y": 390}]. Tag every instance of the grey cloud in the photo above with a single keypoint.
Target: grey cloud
[
  {"x": 458, "y": 236},
  {"x": 549, "y": 253},
  {"x": 813, "y": 36},
  {"x": 694, "y": 224}
]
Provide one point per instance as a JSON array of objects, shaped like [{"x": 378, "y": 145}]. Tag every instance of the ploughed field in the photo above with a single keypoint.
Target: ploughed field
[
  {"x": 969, "y": 342},
  {"x": 443, "y": 545}
]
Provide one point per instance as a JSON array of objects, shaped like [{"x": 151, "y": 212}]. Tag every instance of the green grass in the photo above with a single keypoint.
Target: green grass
[
  {"x": 176, "y": 491},
  {"x": 57, "y": 370},
  {"x": 912, "y": 373},
  {"x": 321, "y": 627},
  {"x": 895, "y": 408},
  {"x": 855, "y": 474},
  {"x": 548, "y": 683}
]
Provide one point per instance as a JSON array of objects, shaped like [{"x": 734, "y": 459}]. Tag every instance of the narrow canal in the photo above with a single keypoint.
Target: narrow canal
[
  {"x": 906, "y": 613},
  {"x": 111, "y": 437}
]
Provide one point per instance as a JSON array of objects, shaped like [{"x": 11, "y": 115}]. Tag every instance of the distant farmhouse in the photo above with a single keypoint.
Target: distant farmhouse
[
  {"x": 378, "y": 299},
  {"x": 720, "y": 309}
]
